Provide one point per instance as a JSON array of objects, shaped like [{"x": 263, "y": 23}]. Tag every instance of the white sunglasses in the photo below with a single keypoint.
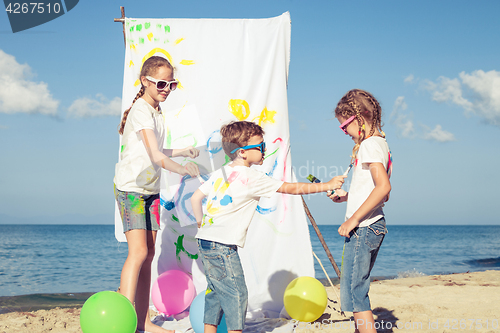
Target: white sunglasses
[{"x": 162, "y": 84}]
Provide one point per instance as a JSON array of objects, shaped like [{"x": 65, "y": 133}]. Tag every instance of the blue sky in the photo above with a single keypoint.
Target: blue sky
[{"x": 433, "y": 66}]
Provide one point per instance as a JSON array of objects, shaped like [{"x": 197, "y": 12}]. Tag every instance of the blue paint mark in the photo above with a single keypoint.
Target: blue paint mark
[
  {"x": 181, "y": 188},
  {"x": 265, "y": 211},
  {"x": 217, "y": 148},
  {"x": 186, "y": 210},
  {"x": 168, "y": 205},
  {"x": 226, "y": 200},
  {"x": 270, "y": 173}
]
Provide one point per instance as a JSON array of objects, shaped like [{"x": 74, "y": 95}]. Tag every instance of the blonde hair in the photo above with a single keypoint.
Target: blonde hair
[
  {"x": 149, "y": 68},
  {"x": 237, "y": 134},
  {"x": 365, "y": 108}
]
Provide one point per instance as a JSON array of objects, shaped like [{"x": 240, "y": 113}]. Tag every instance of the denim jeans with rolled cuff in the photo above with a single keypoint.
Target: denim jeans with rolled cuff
[
  {"x": 358, "y": 258},
  {"x": 228, "y": 292}
]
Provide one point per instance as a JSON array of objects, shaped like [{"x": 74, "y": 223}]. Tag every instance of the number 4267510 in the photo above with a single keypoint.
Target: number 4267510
[{"x": 33, "y": 8}]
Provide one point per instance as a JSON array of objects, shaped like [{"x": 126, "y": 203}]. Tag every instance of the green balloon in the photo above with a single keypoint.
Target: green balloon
[{"x": 108, "y": 312}]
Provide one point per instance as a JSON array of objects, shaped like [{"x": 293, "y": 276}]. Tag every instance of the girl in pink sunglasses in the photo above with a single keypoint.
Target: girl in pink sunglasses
[{"x": 364, "y": 228}]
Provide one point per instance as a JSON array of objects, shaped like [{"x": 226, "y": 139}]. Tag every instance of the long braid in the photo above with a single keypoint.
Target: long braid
[
  {"x": 125, "y": 114},
  {"x": 376, "y": 113},
  {"x": 361, "y": 129}
]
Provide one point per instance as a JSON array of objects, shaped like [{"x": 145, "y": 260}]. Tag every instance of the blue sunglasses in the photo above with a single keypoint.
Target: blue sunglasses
[{"x": 261, "y": 145}]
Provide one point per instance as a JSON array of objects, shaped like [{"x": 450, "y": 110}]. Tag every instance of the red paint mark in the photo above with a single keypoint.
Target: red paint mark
[
  {"x": 233, "y": 176},
  {"x": 155, "y": 210}
]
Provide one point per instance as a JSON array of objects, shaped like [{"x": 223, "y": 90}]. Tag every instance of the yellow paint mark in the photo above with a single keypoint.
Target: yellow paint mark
[
  {"x": 150, "y": 36},
  {"x": 157, "y": 50},
  {"x": 132, "y": 47},
  {"x": 216, "y": 184},
  {"x": 213, "y": 210},
  {"x": 179, "y": 40},
  {"x": 239, "y": 108},
  {"x": 223, "y": 188},
  {"x": 178, "y": 113},
  {"x": 266, "y": 116},
  {"x": 131, "y": 63},
  {"x": 187, "y": 62},
  {"x": 137, "y": 83}
]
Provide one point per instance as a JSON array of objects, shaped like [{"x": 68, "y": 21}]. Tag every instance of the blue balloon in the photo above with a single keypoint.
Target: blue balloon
[{"x": 197, "y": 312}]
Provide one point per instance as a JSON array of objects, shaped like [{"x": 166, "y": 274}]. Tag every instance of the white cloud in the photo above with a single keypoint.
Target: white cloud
[
  {"x": 406, "y": 127},
  {"x": 400, "y": 104},
  {"x": 100, "y": 106},
  {"x": 485, "y": 87},
  {"x": 438, "y": 134},
  {"x": 3, "y": 127},
  {"x": 477, "y": 93},
  {"x": 403, "y": 122},
  {"x": 19, "y": 94},
  {"x": 409, "y": 79}
]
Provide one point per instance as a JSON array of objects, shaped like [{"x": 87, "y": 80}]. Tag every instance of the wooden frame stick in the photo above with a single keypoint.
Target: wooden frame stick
[
  {"x": 122, "y": 20},
  {"x": 321, "y": 239}
]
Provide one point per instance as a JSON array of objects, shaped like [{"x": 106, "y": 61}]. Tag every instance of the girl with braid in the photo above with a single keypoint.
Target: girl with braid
[
  {"x": 364, "y": 228},
  {"x": 137, "y": 181}
]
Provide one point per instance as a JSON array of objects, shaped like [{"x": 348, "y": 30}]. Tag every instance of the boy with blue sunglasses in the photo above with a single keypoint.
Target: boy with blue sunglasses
[{"x": 233, "y": 193}]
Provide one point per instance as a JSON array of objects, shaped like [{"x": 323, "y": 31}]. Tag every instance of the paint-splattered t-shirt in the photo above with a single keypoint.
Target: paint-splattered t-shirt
[
  {"x": 233, "y": 194},
  {"x": 371, "y": 150},
  {"x": 135, "y": 172}
]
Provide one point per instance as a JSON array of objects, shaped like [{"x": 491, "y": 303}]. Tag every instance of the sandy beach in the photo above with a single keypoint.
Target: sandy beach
[{"x": 467, "y": 302}]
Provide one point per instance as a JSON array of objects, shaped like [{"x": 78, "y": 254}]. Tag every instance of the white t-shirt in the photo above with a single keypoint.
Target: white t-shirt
[
  {"x": 233, "y": 194},
  {"x": 135, "y": 172},
  {"x": 371, "y": 150}
]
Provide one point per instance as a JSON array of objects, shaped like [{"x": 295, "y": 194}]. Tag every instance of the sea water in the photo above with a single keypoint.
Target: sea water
[
  {"x": 87, "y": 258},
  {"x": 59, "y": 259},
  {"x": 416, "y": 250}
]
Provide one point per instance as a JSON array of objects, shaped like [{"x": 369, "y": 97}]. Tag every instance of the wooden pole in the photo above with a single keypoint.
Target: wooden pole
[
  {"x": 122, "y": 20},
  {"x": 321, "y": 239}
]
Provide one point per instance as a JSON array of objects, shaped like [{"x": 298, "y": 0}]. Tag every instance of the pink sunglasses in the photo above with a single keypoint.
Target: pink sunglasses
[{"x": 346, "y": 123}]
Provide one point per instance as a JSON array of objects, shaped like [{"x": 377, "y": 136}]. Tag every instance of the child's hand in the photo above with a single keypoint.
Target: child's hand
[
  {"x": 190, "y": 169},
  {"x": 336, "y": 182},
  {"x": 338, "y": 196},
  {"x": 190, "y": 151},
  {"x": 346, "y": 227}
]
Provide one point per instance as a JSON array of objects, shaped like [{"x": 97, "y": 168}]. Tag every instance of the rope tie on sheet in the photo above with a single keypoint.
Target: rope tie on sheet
[{"x": 330, "y": 281}]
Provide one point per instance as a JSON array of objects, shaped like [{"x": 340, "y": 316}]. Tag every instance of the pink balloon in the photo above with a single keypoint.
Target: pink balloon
[{"x": 172, "y": 292}]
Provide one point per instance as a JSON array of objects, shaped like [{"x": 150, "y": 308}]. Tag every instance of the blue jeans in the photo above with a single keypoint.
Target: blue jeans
[
  {"x": 226, "y": 281},
  {"x": 360, "y": 252}
]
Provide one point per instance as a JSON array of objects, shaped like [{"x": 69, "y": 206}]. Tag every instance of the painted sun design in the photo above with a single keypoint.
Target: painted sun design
[{"x": 153, "y": 35}]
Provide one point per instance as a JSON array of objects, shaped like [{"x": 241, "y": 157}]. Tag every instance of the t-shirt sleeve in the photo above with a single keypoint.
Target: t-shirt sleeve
[
  {"x": 205, "y": 187},
  {"x": 262, "y": 185},
  {"x": 371, "y": 152},
  {"x": 141, "y": 117}
]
